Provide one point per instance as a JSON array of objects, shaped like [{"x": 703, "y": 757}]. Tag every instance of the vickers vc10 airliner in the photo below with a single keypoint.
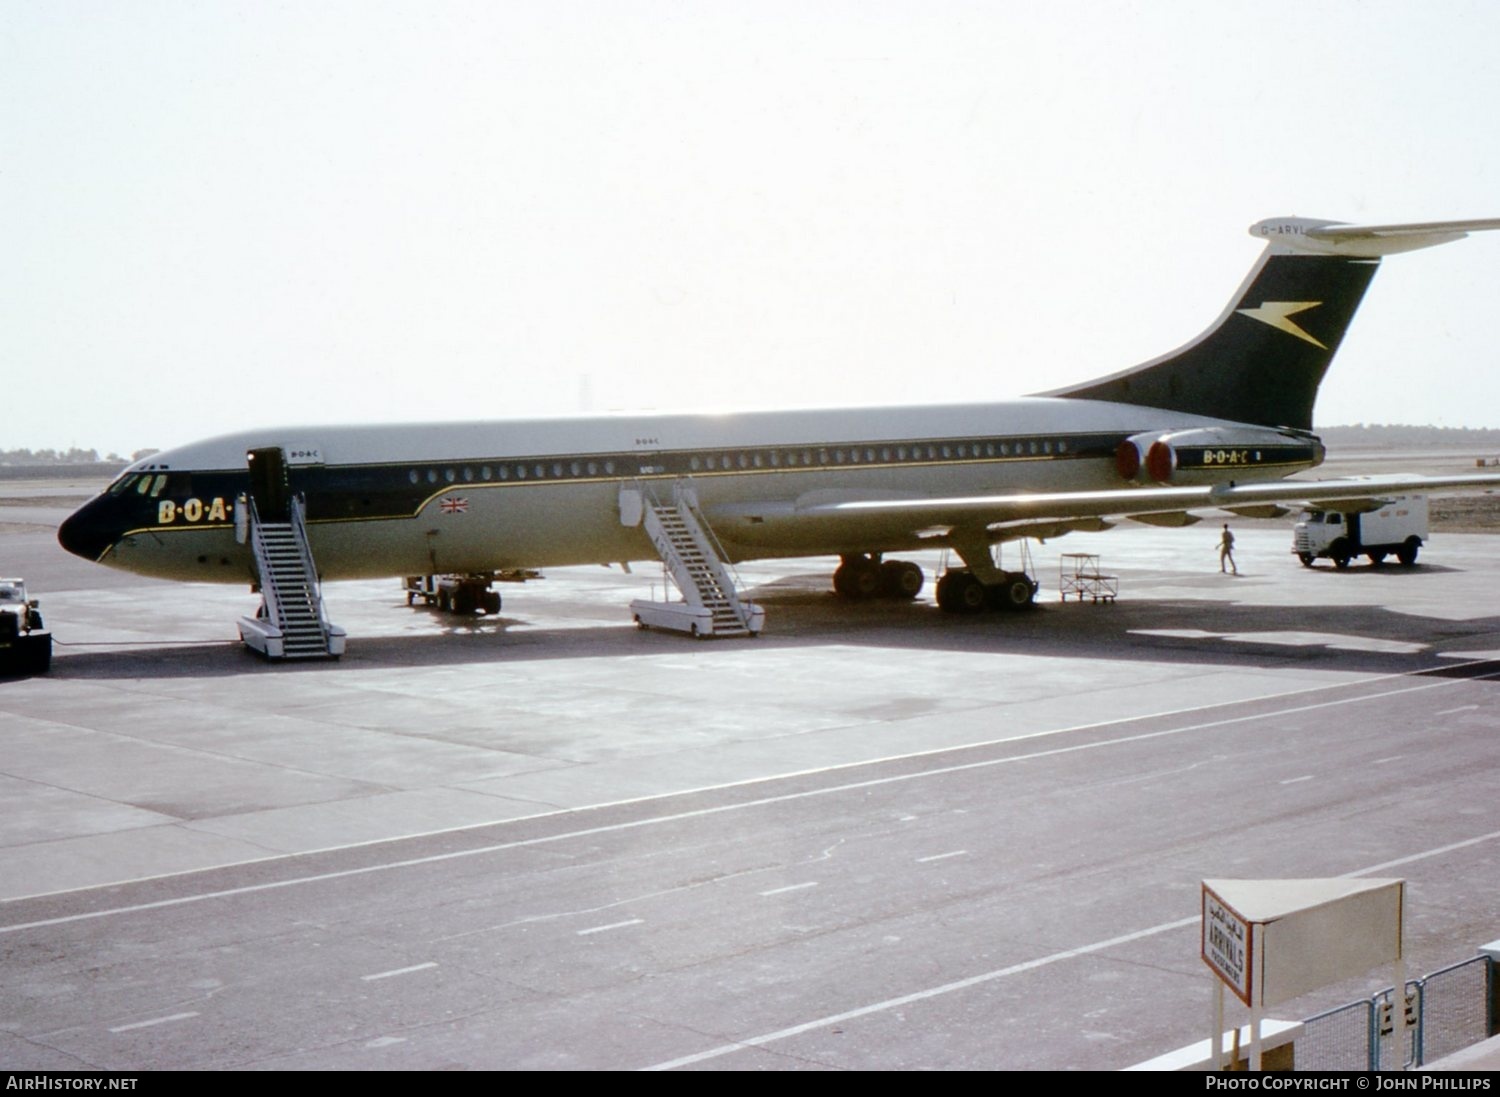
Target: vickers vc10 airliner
[{"x": 1220, "y": 422}]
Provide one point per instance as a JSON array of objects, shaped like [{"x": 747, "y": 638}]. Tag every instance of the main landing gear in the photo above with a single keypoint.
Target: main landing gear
[
  {"x": 867, "y": 576},
  {"x": 960, "y": 591},
  {"x": 464, "y": 595}
]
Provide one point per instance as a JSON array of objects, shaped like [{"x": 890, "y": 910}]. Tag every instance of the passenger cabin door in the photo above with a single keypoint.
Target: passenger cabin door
[{"x": 269, "y": 486}]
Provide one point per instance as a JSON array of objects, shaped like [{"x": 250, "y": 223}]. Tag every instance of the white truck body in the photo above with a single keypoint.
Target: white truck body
[{"x": 1398, "y": 527}]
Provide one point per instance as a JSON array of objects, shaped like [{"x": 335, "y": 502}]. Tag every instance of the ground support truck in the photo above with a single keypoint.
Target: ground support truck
[{"x": 1398, "y": 527}]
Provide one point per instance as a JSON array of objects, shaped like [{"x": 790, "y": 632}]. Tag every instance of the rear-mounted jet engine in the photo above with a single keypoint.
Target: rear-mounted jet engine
[{"x": 1217, "y": 455}]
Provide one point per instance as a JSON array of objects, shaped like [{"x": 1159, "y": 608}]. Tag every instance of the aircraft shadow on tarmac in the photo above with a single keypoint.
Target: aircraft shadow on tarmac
[{"x": 1206, "y": 632}]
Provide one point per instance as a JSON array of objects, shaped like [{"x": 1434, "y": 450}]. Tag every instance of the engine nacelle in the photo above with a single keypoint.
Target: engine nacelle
[{"x": 1218, "y": 455}]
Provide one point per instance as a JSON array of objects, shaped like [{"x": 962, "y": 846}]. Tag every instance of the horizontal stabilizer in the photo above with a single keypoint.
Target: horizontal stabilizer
[{"x": 1303, "y": 235}]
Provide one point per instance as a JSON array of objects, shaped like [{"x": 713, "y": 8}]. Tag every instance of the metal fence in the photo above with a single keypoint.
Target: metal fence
[{"x": 1446, "y": 1010}]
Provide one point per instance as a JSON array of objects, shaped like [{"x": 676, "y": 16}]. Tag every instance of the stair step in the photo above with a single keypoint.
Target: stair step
[{"x": 285, "y": 567}]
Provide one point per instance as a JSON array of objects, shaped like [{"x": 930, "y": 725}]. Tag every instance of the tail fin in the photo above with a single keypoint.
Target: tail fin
[{"x": 1263, "y": 360}]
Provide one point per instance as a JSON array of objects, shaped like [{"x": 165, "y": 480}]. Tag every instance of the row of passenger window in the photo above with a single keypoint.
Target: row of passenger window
[
  {"x": 540, "y": 470},
  {"x": 882, "y": 455},
  {"x": 749, "y": 459}
]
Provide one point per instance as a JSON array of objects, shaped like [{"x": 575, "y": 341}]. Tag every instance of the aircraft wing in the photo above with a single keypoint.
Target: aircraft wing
[{"x": 1049, "y": 514}]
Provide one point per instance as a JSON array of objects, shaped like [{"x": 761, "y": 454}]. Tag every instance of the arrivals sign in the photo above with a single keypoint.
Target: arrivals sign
[
  {"x": 1272, "y": 940},
  {"x": 1226, "y": 944}
]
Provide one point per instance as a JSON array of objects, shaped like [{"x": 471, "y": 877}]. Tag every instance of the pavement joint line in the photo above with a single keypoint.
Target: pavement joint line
[
  {"x": 698, "y": 813},
  {"x": 155, "y": 1021},
  {"x": 941, "y": 856},
  {"x": 789, "y": 887},
  {"x": 1015, "y": 969},
  {"x": 612, "y": 925},
  {"x": 398, "y": 971}
]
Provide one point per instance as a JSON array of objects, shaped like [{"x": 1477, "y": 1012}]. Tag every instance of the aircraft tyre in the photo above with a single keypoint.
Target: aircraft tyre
[
  {"x": 972, "y": 595},
  {"x": 858, "y": 577},
  {"x": 491, "y": 601},
  {"x": 1018, "y": 592},
  {"x": 960, "y": 592},
  {"x": 901, "y": 579},
  {"x": 944, "y": 593},
  {"x": 1407, "y": 553}
]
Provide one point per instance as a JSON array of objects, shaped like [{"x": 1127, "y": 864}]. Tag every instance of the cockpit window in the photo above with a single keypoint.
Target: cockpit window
[
  {"x": 158, "y": 482},
  {"x": 122, "y": 485}
]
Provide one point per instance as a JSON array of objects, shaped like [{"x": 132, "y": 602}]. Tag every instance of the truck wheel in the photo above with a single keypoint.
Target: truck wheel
[
  {"x": 1306, "y": 558},
  {"x": 36, "y": 655},
  {"x": 1407, "y": 553},
  {"x": 1338, "y": 552},
  {"x": 1377, "y": 559}
]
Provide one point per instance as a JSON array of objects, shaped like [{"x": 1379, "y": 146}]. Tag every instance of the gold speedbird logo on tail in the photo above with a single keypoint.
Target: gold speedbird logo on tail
[{"x": 1279, "y": 313}]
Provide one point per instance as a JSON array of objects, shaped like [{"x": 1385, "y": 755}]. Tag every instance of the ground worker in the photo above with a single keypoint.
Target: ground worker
[{"x": 1226, "y": 550}]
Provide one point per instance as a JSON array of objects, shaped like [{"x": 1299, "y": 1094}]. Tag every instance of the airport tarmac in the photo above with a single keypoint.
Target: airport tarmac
[{"x": 876, "y": 837}]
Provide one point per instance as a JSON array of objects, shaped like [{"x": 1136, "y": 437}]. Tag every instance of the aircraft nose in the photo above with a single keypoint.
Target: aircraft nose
[{"x": 84, "y": 534}]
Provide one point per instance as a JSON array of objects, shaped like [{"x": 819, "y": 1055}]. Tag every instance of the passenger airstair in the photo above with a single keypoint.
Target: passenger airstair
[
  {"x": 291, "y": 623},
  {"x": 710, "y": 604}
]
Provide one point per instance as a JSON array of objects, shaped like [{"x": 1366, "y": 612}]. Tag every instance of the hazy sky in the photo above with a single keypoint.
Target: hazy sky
[{"x": 217, "y": 215}]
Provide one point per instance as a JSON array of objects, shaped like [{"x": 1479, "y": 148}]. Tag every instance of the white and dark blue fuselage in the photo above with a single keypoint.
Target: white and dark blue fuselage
[
  {"x": 1209, "y": 422},
  {"x": 476, "y": 497}
]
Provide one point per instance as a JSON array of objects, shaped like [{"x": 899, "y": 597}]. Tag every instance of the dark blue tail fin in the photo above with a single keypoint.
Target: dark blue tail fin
[{"x": 1263, "y": 360}]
